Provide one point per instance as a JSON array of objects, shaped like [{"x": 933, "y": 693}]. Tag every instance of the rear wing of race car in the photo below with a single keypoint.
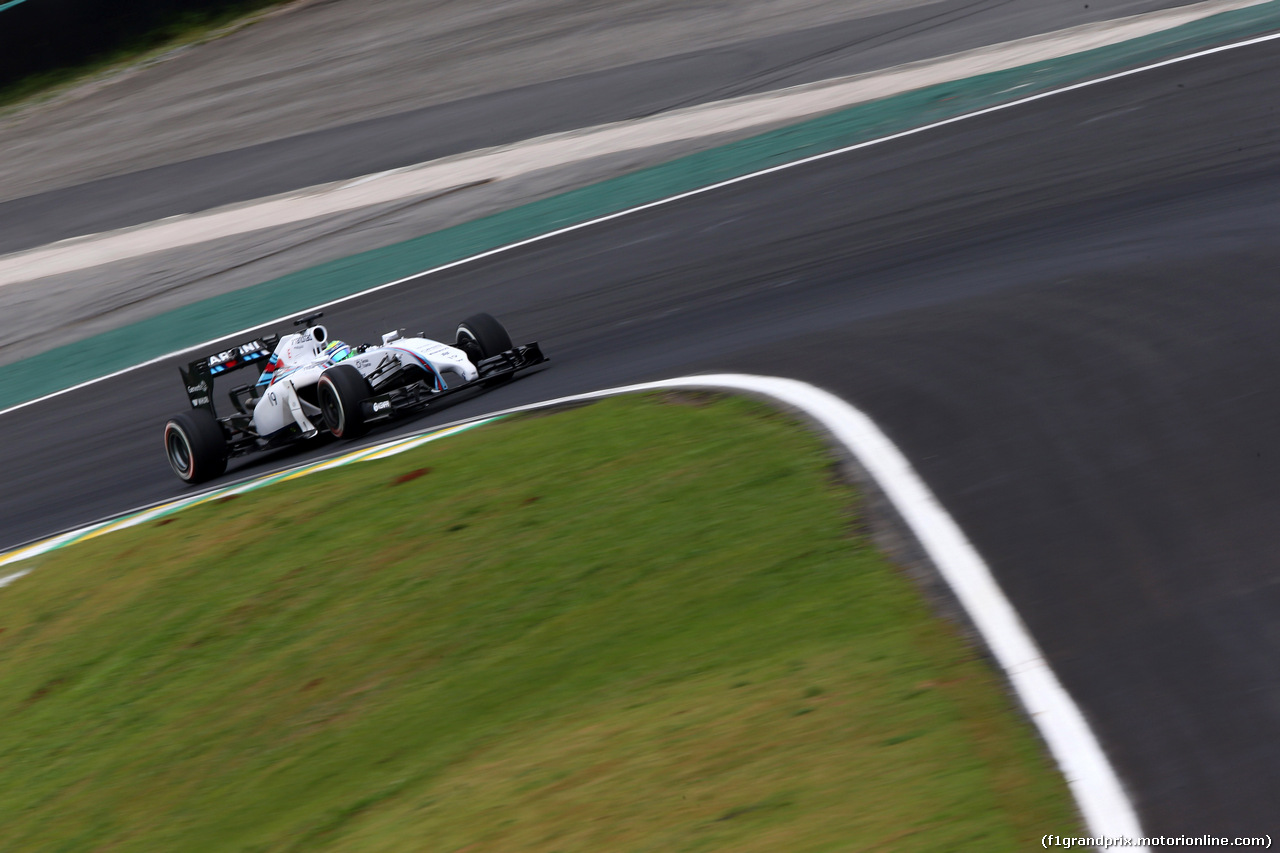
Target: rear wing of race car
[{"x": 198, "y": 376}]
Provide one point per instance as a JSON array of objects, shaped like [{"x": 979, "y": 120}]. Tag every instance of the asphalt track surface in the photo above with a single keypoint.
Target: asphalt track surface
[
  {"x": 1065, "y": 314},
  {"x": 498, "y": 118}
]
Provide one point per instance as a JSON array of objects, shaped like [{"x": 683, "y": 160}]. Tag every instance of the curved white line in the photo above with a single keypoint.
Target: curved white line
[
  {"x": 1102, "y": 798},
  {"x": 668, "y": 200}
]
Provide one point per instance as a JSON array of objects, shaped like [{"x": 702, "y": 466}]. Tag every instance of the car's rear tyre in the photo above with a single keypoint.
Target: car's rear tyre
[
  {"x": 195, "y": 446},
  {"x": 341, "y": 390},
  {"x": 481, "y": 336}
]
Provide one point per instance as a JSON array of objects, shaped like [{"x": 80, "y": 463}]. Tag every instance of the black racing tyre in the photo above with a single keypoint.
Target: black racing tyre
[
  {"x": 341, "y": 389},
  {"x": 195, "y": 446},
  {"x": 482, "y": 335}
]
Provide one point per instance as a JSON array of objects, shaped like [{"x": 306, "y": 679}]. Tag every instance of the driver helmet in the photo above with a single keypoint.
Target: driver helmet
[{"x": 336, "y": 351}]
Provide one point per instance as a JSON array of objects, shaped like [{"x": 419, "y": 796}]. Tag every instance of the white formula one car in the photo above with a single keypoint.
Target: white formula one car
[{"x": 309, "y": 382}]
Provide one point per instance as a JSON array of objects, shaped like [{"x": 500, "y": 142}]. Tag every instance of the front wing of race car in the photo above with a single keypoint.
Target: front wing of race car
[{"x": 417, "y": 396}]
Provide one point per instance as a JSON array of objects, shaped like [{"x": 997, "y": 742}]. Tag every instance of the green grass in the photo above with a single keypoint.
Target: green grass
[
  {"x": 640, "y": 625},
  {"x": 185, "y": 27}
]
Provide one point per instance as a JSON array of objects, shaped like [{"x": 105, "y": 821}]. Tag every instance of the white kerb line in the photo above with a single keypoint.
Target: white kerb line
[{"x": 1098, "y": 791}]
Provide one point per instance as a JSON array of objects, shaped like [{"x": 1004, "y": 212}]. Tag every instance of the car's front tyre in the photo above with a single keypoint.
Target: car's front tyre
[
  {"x": 481, "y": 336},
  {"x": 195, "y": 446},
  {"x": 341, "y": 389}
]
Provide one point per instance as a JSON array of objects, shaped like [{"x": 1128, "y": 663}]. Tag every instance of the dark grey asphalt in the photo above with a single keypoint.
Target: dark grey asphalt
[
  {"x": 632, "y": 91},
  {"x": 1066, "y": 314}
]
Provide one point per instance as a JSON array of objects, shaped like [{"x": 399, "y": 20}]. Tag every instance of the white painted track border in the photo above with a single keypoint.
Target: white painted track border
[
  {"x": 209, "y": 344},
  {"x": 1102, "y": 799}
]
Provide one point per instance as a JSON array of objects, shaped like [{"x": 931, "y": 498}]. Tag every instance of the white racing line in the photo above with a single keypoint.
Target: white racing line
[
  {"x": 1102, "y": 799},
  {"x": 660, "y": 202}
]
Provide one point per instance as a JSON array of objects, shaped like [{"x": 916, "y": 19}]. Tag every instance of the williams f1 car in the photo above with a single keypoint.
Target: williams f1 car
[{"x": 308, "y": 383}]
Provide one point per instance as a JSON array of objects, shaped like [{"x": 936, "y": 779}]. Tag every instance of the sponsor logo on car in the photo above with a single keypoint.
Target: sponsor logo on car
[
  {"x": 381, "y": 405},
  {"x": 248, "y": 352}
]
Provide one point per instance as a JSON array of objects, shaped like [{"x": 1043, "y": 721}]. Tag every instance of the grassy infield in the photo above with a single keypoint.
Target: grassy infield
[{"x": 631, "y": 626}]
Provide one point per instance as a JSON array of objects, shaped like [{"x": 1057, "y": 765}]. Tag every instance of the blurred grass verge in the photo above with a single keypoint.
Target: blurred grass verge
[
  {"x": 646, "y": 624},
  {"x": 177, "y": 27}
]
